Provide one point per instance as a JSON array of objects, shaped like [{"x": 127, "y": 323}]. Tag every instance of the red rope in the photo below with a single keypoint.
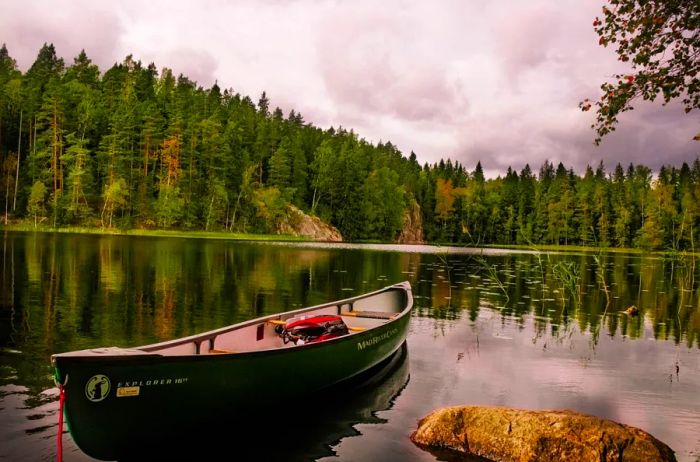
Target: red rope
[{"x": 61, "y": 400}]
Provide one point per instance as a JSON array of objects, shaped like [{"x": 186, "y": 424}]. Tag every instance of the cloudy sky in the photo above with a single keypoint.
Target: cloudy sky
[{"x": 497, "y": 81}]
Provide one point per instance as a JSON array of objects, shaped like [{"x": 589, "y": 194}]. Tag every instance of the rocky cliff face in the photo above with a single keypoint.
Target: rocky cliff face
[
  {"x": 298, "y": 223},
  {"x": 412, "y": 231}
]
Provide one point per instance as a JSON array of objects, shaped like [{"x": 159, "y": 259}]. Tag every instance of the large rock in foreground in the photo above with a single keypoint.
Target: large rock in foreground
[
  {"x": 505, "y": 435},
  {"x": 297, "y": 223}
]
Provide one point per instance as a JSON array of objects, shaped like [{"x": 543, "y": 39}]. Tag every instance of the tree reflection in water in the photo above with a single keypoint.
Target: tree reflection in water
[{"x": 62, "y": 292}]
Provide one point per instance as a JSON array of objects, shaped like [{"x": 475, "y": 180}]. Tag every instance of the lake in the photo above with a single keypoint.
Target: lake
[{"x": 520, "y": 329}]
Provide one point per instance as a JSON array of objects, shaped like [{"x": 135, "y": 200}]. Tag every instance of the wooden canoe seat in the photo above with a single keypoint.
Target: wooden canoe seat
[
  {"x": 215, "y": 351},
  {"x": 277, "y": 322},
  {"x": 369, "y": 314},
  {"x": 356, "y": 328}
]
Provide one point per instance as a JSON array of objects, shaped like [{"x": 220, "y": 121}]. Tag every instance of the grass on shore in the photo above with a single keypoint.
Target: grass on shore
[
  {"x": 290, "y": 238},
  {"x": 156, "y": 233}
]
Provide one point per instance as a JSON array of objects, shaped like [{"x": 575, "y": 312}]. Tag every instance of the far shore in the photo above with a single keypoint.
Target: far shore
[
  {"x": 446, "y": 247},
  {"x": 155, "y": 233}
]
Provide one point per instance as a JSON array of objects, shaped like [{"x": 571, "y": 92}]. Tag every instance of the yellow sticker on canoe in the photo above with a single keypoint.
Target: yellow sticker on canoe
[{"x": 128, "y": 391}]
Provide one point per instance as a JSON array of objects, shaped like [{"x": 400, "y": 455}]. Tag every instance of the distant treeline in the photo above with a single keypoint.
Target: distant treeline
[{"x": 135, "y": 147}]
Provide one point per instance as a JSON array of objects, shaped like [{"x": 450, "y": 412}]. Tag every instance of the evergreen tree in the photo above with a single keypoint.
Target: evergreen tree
[{"x": 135, "y": 147}]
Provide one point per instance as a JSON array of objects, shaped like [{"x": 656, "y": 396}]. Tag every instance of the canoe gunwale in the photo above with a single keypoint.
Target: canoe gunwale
[{"x": 148, "y": 352}]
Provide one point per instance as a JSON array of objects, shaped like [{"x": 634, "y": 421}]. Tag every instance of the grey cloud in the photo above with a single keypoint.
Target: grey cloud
[
  {"x": 198, "y": 65},
  {"x": 364, "y": 65},
  {"x": 70, "y": 26},
  {"x": 95, "y": 27},
  {"x": 357, "y": 69},
  {"x": 561, "y": 50},
  {"x": 653, "y": 136},
  {"x": 523, "y": 40},
  {"x": 648, "y": 135},
  {"x": 425, "y": 95}
]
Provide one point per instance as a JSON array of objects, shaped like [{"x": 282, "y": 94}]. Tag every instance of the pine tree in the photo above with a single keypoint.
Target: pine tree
[{"x": 383, "y": 204}]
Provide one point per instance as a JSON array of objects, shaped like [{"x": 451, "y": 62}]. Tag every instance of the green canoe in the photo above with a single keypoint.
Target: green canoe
[{"x": 117, "y": 399}]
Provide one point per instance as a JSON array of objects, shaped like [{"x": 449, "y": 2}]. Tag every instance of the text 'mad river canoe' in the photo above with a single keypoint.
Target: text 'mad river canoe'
[{"x": 118, "y": 398}]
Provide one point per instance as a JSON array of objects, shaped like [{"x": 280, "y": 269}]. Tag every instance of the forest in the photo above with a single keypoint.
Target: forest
[{"x": 135, "y": 147}]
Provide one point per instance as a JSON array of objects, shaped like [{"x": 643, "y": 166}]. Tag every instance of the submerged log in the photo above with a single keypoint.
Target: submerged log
[{"x": 512, "y": 435}]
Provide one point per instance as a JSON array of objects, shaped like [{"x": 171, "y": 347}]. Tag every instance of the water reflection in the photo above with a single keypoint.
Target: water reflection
[
  {"x": 67, "y": 292},
  {"x": 665, "y": 291},
  {"x": 649, "y": 384}
]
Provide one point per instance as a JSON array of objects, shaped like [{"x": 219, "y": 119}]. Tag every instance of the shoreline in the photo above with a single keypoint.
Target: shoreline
[
  {"x": 220, "y": 235},
  {"x": 447, "y": 246}
]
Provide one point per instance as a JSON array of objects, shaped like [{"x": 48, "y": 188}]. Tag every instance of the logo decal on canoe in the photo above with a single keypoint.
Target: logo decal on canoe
[
  {"x": 376, "y": 339},
  {"x": 97, "y": 388}
]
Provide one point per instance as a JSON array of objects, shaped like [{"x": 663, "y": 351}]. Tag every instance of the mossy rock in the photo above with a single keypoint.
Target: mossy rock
[{"x": 512, "y": 435}]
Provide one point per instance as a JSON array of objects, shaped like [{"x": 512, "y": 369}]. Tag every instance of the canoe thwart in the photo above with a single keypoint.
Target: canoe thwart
[
  {"x": 277, "y": 322},
  {"x": 369, "y": 314}
]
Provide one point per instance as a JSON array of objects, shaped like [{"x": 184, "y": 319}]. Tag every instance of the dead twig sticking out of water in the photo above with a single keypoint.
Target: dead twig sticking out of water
[
  {"x": 442, "y": 256},
  {"x": 538, "y": 256},
  {"x": 493, "y": 276},
  {"x": 686, "y": 285},
  {"x": 491, "y": 271},
  {"x": 569, "y": 276},
  {"x": 542, "y": 281},
  {"x": 600, "y": 275}
]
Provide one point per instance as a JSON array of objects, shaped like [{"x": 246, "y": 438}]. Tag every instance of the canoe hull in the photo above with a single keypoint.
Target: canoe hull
[{"x": 114, "y": 402}]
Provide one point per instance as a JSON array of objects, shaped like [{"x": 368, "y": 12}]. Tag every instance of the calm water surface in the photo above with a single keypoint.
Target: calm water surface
[{"x": 500, "y": 328}]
